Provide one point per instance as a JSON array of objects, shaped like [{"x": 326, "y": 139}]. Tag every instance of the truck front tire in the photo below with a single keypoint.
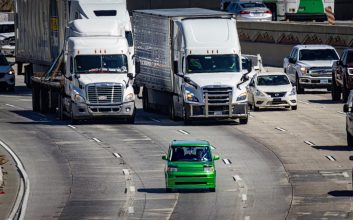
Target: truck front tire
[
  {"x": 345, "y": 91},
  {"x": 349, "y": 140},
  {"x": 335, "y": 90},
  {"x": 300, "y": 89},
  {"x": 243, "y": 121}
]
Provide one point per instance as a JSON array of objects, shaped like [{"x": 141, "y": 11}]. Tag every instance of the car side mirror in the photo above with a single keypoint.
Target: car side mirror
[
  {"x": 351, "y": 158},
  {"x": 130, "y": 76},
  {"x": 339, "y": 63},
  {"x": 77, "y": 76},
  {"x": 345, "y": 108},
  {"x": 164, "y": 157},
  {"x": 216, "y": 157},
  {"x": 69, "y": 78},
  {"x": 291, "y": 60},
  {"x": 137, "y": 67}
]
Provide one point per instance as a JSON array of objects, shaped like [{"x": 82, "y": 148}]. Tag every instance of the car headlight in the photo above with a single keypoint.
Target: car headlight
[
  {"x": 129, "y": 97},
  {"x": 293, "y": 92},
  {"x": 190, "y": 97},
  {"x": 304, "y": 69},
  {"x": 208, "y": 169},
  {"x": 242, "y": 96},
  {"x": 79, "y": 98},
  {"x": 350, "y": 71},
  {"x": 172, "y": 169},
  {"x": 12, "y": 72},
  {"x": 259, "y": 93}
]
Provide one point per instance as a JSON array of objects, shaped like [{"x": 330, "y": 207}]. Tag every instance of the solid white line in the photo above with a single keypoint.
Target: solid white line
[
  {"x": 280, "y": 129},
  {"x": 306, "y": 103},
  {"x": 126, "y": 172},
  {"x": 212, "y": 147},
  {"x": 309, "y": 143},
  {"x": 226, "y": 161},
  {"x": 244, "y": 197},
  {"x": 345, "y": 174},
  {"x": 13, "y": 106},
  {"x": 138, "y": 139},
  {"x": 132, "y": 189},
  {"x": 19, "y": 208},
  {"x": 250, "y": 116},
  {"x": 131, "y": 210},
  {"x": 343, "y": 113},
  {"x": 155, "y": 120},
  {"x": 117, "y": 155},
  {"x": 97, "y": 140},
  {"x": 247, "y": 218},
  {"x": 331, "y": 158},
  {"x": 71, "y": 126},
  {"x": 183, "y": 132},
  {"x": 236, "y": 178}
]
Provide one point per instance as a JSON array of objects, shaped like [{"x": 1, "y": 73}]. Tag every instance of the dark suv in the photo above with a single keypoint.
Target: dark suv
[{"x": 342, "y": 76}]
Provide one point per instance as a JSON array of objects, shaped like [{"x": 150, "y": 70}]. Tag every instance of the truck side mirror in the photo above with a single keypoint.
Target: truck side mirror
[
  {"x": 137, "y": 67},
  {"x": 175, "y": 67},
  {"x": 164, "y": 157},
  {"x": 249, "y": 66},
  {"x": 339, "y": 62},
  {"x": 345, "y": 108},
  {"x": 69, "y": 78},
  {"x": 291, "y": 60},
  {"x": 216, "y": 157},
  {"x": 130, "y": 76}
]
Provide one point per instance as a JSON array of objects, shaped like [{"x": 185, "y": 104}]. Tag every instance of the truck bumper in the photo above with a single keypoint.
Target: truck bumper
[
  {"x": 233, "y": 110},
  {"x": 84, "y": 111},
  {"x": 315, "y": 82}
]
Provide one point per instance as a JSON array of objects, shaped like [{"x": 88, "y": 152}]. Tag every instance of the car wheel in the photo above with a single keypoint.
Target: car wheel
[
  {"x": 349, "y": 139},
  {"x": 243, "y": 121},
  {"x": 345, "y": 91},
  {"x": 300, "y": 89},
  {"x": 255, "y": 108},
  {"x": 295, "y": 107},
  {"x": 335, "y": 90},
  {"x": 212, "y": 189}
]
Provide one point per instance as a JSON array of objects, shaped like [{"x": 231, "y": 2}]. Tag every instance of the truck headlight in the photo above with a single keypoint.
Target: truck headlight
[
  {"x": 259, "y": 93},
  {"x": 129, "y": 97},
  {"x": 293, "y": 92},
  {"x": 79, "y": 99},
  {"x": 304, "y": 69},
  {"x": 242, "y": 96},
  {"x": 172, "y": 169},
  {"x": 208, "y": 169},
  {"x": 190, "y": 97}
]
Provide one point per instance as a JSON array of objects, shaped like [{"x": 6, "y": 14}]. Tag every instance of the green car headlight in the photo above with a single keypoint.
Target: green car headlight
[
  {"x": 172, "y": 169},
  {"x": 208, "y": 169}
]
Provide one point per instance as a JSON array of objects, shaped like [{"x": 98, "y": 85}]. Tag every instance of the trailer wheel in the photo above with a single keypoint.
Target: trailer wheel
[
  {"x": 61, "y": 108},
  {"x": 35, "y": 98},
  {"x": 145, "y": 103},
  {"x": 243, "y": 121}
]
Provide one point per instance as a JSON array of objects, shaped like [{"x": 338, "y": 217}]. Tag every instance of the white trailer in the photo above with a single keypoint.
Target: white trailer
[{"x": 189, "y": 61}]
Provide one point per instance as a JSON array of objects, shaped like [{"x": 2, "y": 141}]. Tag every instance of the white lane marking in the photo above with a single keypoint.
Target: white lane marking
[
  {"x": 126, "y": 172},
  {"x": 244, "y": 197},
  {"x": 345, "y": 174},
  {"x": 155, "y": 120},
  {"x": 280, "y": 129},
  {"x": 20, "y": 206},
  {"x": 306, "y": 103},
  {"x": 247, "y": 218},
  {"x": 250, "y": 116},
  {"x": 330, "y": 158},
  {"x": 137, "y": 139},
  {"x": 117, "y": 155},
  {"x": 71, "y": 126},
  {"x": 227, "y": 161},
  {"x": 236, "y": 178},
  {"x": 97, "y": 140},
  {"x": 309, "y": 143},
  {"x": 212, "y": 147},
  {"x": 13, "y": 106},
  {"x": 343, "y": 113},
  {"x": 183, "y": 132},
  {"x": 131, "y": 210},
  {"x": 132, "y": 189}
]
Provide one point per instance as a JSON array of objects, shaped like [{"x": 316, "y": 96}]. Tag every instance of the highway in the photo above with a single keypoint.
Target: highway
[{"x": 282, "y": 165}]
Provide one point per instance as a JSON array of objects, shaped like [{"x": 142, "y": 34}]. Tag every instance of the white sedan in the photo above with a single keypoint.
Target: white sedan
[{"x": 269, "y": 90}]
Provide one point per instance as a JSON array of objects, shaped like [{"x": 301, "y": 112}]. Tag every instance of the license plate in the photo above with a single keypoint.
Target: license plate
[
  {"x": 277, "y": 99},
  {"x": 324, "y": 81},
  {"x": 217, "y": 113}
]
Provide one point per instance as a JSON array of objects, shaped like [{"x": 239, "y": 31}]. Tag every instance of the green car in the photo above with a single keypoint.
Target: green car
[{"x": 190, "y": 165}]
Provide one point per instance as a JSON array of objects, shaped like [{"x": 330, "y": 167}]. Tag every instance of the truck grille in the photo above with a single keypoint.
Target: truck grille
[
  {"x": 105, "y": 93},
  {"x": 276, "y": 94},
  {"x": 218, "y": 95},
  {"x": 320, "y": 71}
]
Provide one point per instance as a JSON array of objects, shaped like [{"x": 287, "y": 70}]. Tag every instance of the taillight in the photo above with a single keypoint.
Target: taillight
[
  {"x": 268, "y": 12},
  {"x": 244, "y": 12}
]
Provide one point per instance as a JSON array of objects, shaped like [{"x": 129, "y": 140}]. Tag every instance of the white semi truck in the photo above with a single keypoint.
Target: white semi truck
[
  {"x": 188, "y": 62},
  {"x": 79, "y": 55}
]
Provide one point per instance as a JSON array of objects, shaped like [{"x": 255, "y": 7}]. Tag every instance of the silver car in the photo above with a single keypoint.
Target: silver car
[{"x": 252, "y": 11}]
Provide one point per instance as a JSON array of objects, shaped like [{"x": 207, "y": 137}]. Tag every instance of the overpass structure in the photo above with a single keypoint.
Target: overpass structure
[{"x": 274, "y": 40}]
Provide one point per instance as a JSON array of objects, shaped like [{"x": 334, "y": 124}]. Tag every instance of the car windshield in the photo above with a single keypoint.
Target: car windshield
[
  {"x": 3, "y": 61},
  {"x": 191, "y": 153},
  {"x": 272, "y": 80},
  {"x": 212, "y": 63},
  {"x": 252, "y": 5},
  {"x": 101, "y": 64},
  {"x": 319, "y": 54}
]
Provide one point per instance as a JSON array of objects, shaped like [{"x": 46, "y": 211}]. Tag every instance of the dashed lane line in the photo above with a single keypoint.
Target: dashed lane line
[
  {"x": 244, "y": 197},
  {"x": 280, "y": 129},
  {"x": 227, "y": 161},
  {"x": 309, "y": 143},
  {"x": 330, "y": 158},
  {"x": 71, "y": 126},
  {"x": 126, "y": 172},
  {"x": 117, "y": 155},
  {"x": 97, "y": 140},
  {"x": 183, "y": 132},
  {"x": 236, "y": 178}
]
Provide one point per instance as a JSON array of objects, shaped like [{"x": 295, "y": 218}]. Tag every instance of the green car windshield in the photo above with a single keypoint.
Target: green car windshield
[{"x": 199, "y": 153}]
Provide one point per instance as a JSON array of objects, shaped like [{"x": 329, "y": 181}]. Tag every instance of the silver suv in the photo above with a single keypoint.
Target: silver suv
[{"x": 310, "y": 66}]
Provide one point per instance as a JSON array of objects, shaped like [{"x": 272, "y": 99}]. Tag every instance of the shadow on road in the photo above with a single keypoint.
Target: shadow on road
[
  {"x": 341, "y": 193},
  {"x": 334, "y": 148},
  {"x": 19, "y": 90},
  {"x": 325, "y": 102},
  {"x": 162, "y": 190}
]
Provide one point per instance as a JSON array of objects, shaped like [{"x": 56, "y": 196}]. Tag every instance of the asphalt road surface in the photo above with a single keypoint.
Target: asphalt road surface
[{"x": 282, "y": 165}]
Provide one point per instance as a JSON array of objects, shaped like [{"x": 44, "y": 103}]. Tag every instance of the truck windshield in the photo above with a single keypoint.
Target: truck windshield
[
  {"x": 319, "y": 54},
  {"x": 101, "y": 64},
  {"x": 212, "y": 63},
  {"x": 181, "y": 153}
]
